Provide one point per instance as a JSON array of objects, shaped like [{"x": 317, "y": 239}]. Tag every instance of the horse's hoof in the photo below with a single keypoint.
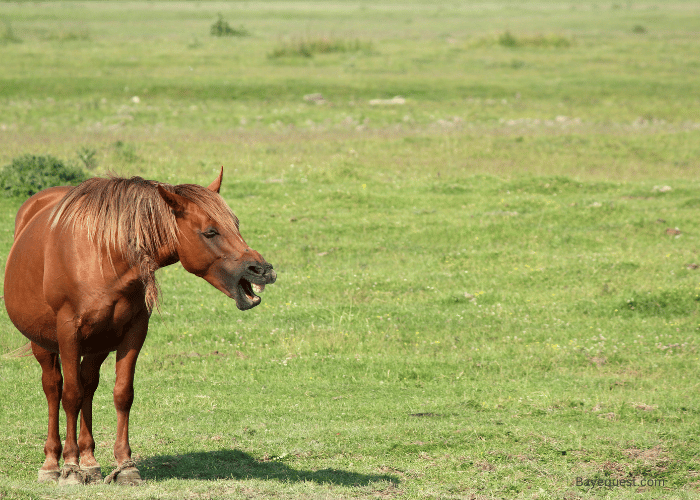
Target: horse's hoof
[
  {"x": 93, "y": 474},
  {"x": 70, "y": 475},
  {"x": 126, "y": 474},
  {"x": 129, "y": 477},
  {"x": 49, "y": 476}
]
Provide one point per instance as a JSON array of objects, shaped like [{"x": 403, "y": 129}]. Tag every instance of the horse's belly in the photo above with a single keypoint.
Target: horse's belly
[
  {"x": 104, "y": 327},
  {"x": 104, "y": 339},
  {"x": 100, "y": 341}
]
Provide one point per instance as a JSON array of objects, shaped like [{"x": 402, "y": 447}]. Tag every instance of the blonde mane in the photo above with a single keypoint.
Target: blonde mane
[{"x": 129, "y": 218}]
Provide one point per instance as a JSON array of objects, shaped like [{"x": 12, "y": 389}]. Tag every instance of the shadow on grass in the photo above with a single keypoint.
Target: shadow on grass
[{"x": 235, "y": 464}]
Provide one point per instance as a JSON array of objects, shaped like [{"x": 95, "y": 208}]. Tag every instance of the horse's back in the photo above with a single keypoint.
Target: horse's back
[{"x": 45, "y": 199}]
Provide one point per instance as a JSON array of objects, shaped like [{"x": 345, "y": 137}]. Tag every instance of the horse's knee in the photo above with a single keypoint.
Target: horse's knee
[{"x": 123, "y": 396}]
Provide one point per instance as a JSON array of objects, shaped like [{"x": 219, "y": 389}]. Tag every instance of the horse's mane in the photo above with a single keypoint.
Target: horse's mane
[{"x": 130, "y": 218}]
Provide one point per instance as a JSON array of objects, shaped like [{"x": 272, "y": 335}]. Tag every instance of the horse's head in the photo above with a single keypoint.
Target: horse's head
[{"x": 211, "y": 247}]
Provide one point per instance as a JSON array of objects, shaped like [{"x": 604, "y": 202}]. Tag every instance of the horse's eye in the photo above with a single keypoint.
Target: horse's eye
[{"x": 210, "y": 233}]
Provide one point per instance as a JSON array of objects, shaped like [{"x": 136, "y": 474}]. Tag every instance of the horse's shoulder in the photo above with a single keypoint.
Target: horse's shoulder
[{"x": 42, "y": 200}]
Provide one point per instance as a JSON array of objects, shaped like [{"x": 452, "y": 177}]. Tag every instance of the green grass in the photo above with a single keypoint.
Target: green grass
[{"x": 485, "y": 292}]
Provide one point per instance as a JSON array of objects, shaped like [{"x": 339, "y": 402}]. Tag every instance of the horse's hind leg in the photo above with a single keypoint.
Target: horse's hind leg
[
  {"x": 72, "y": 397},
  {"x": 52, "y": 382},
  {"x": 90, "y": 377}
]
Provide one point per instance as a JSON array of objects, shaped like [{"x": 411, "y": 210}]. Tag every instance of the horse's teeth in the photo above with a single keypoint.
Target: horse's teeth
[{"x": 258, "y": 288}]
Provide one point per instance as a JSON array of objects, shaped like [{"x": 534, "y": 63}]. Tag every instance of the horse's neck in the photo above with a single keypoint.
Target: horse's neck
[{"x": 166, "y": 258}]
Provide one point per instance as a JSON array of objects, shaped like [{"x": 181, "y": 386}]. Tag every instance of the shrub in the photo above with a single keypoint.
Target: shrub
[
  {"x": 68, "y": 36},
  {"x": 125, "y": 152},
  {"x": 511, "y": 41},
  {"x": 30, "y": 174},
  {"x": 87, "y": 156},
  {"x": 9, "y": 35},
  {"x": 223, "y": 28},
  {"x": 307, "y": 47},
  {"x": 508, "y": 40}
]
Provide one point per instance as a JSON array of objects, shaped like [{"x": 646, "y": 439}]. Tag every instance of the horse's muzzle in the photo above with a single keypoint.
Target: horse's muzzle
[
  {"x": 255, "y": 276},
  {"x": 261, "y": 273}
]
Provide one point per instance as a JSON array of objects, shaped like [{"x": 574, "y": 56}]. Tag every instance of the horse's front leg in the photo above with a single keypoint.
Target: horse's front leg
[
  {"x": 127, "y": 354},
  {"x": 90, "y": 377},
  {"x": 52, "y": 383}
]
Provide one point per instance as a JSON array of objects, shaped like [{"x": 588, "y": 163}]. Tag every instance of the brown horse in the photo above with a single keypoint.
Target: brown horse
[{"x": 80, "y": 283}]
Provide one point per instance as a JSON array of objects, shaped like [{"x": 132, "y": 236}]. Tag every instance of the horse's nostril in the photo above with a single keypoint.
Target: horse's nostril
[{"x": 256, "y": 269}]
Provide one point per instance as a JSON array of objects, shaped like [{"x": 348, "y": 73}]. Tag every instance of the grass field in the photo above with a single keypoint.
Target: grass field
[{"x": 484, "y": 221}]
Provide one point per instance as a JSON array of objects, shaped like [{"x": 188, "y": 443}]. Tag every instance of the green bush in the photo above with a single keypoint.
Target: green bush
[
  {"x": 87, "y": 156},
  {"x": 507, "y": 39},
  {"x": 126, "y": 152},
  {"x": 9, "y": 35},
  {"x": 223, "y": 28},
  {"x": 68, "y": 36},
  {"x": 30, "y": 174},
  {"x": 307, "y": 47}
]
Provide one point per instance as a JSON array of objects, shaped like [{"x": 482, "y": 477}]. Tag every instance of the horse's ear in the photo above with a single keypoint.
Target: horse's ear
[
  {"x": 216, "y": 185},
  {"x": 175, "y": 201}
]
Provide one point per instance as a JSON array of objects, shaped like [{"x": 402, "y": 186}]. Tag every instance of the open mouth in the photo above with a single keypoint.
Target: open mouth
[{"x": 247, "y": 297}]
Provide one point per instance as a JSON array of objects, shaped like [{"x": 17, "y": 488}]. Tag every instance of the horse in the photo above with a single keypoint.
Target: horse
[{"x": 80, "y": 283}]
